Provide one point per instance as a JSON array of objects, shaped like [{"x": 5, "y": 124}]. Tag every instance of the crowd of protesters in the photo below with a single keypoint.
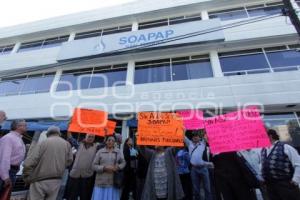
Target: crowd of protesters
[{"x": 113, "y": 171}]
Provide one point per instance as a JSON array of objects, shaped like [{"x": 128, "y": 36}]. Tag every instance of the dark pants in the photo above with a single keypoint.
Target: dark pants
[
  {"x": 214, "y": 190},
  {"x": 233, "y": 188},
  {"x": 282, "y": 190},
  {"x": 80, "y": 187},
  {"x": 129, "y": 185},
  {"x": 198, "y": 175},
  {"x": 187, "y": 186},
  {"x": 140, "y": 187}
]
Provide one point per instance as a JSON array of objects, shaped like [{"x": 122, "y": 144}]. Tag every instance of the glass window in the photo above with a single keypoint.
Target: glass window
[
  {"x": 286, "y": 125},
  {"x": 30, "y": 46},
  {"x": 232, "y": 14},
  {"x": 284, "y": 59},
  {"x": 99, "y": 32},
  {"x": 53, "y": 42},
  {"x": 6, "y": 49},
  {"x": 105, "y": 76},
  {"x": 241, "y": 63},
  {"x": 184, "y": 19},
  {"x": 265, "y": 11},
  {"x": 191, "y": 70},
  {"x": 72, "y": 81},
  {"x": 37, "y": 84},
  {"x": 152, "y": 73},
  {"x": 152, "y": 24},
  {"x": 88, "y": 34},
  {"x": 108, "y": 78},
  {"x": 11, "y": 87}
]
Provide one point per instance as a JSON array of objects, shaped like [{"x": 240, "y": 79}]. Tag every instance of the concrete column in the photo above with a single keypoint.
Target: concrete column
[
  {"x": 215, "y": 64},
  {"x": 204, "y": 15},
  {"x": 135, "y": 26},
  {"x": 71, "y": 37},
  {"x": 16, "y": 47},
  {"x": 130, "y": 73}
]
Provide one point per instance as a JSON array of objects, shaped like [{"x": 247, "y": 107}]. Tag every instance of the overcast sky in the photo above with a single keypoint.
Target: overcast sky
[{"x": 13, "y": 12}]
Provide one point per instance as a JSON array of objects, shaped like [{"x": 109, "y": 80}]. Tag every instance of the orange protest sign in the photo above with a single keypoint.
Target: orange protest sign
[
  {"x": 160, "y": 129},
  {"x": 91, "y": 122}
]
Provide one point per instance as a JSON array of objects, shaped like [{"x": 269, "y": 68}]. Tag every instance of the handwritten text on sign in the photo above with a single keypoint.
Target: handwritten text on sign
[
  {"x": 160, "y": 129},
  {"x": 192, "y": 119},
  {"x": 91, "y": 122},
  {"x": 236, "y": 131}
]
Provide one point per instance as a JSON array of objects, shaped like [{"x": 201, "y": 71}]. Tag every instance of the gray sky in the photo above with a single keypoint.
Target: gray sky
[{"x": 13, "y": 12}]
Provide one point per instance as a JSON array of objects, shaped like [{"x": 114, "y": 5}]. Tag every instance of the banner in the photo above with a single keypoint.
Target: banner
[
  {"x": 160, "y": 129},
  {"x": 235, "y": 131},
  {"x": 192, "y": 119},
  {"x": 91, "y": 122}
]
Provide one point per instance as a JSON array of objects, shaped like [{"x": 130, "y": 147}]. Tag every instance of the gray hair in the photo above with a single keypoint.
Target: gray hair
[
  {"x": 15, "y": 123},
  {"x": 53, "y": 130}
]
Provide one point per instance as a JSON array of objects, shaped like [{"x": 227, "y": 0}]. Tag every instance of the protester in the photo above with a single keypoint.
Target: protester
[
  {"x": 230, "y": 178},
  {"x": 142, "y": 168},
  {"x": 162, "y": 181},
  {"x": 281, "y": 169},
  {"x": 130, "y": 155},
  {"x": 251, "y": 159},
  {"x": 107, "y": 161},
  {"x": 183, "y": 163},
  {"x": 12, "y": 153},
  {"x": 81, "y": 179},
  {"x": 45, "y": 166},
  {"x": 207, "y": 156},
  {"x": 199, "y": 167}
]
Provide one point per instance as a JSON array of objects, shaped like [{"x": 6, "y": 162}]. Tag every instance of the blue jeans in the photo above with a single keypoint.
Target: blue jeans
[{"x": 198, "y": 175}]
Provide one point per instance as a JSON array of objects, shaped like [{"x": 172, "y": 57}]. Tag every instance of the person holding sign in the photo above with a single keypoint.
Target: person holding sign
[
  {"x": 199, "y": 167},
  {"x": 162, "y": 181},
  {"x": 81, "y": 174},
  {"x": 108, "y": 160},
  {"x": 281, "y": 169}
]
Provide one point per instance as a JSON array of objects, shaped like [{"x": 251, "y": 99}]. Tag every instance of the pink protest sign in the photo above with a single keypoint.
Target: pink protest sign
[
  {"x": 192, "y": 119},
  {"x": 235, "y": 131}
]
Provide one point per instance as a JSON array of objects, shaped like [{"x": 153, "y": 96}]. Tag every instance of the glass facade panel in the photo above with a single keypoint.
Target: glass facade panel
[
  {"x": 286, "y": 125},
  {"x": 11, "y": 87},
  {"x": 230, "y": 15},
  {"x": 53, "y": 42},
  {"x": 152, "y": 74},
  {"x": 152, "y": 24},
  {"x": 244, "y": 63},
  {"x": 283, "y": 59},
  {"x": 37, "y": 84},
  {"x": 73, "y": 82},
  {"x": 6, "y": 49},
  {"x": 191, "y": 70},
  {"x": 108, "y": 79},
  {"x": 30, "y": 46},
  {"x": 105, "y": 76},
  {"x": 265, "y": 11}
]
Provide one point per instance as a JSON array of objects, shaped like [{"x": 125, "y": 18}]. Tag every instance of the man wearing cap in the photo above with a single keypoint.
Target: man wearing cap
[
  {"x": 45, "y": 166},
  {"x": 281, "y": 169},
  {"x": 199, "y": 167}
]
